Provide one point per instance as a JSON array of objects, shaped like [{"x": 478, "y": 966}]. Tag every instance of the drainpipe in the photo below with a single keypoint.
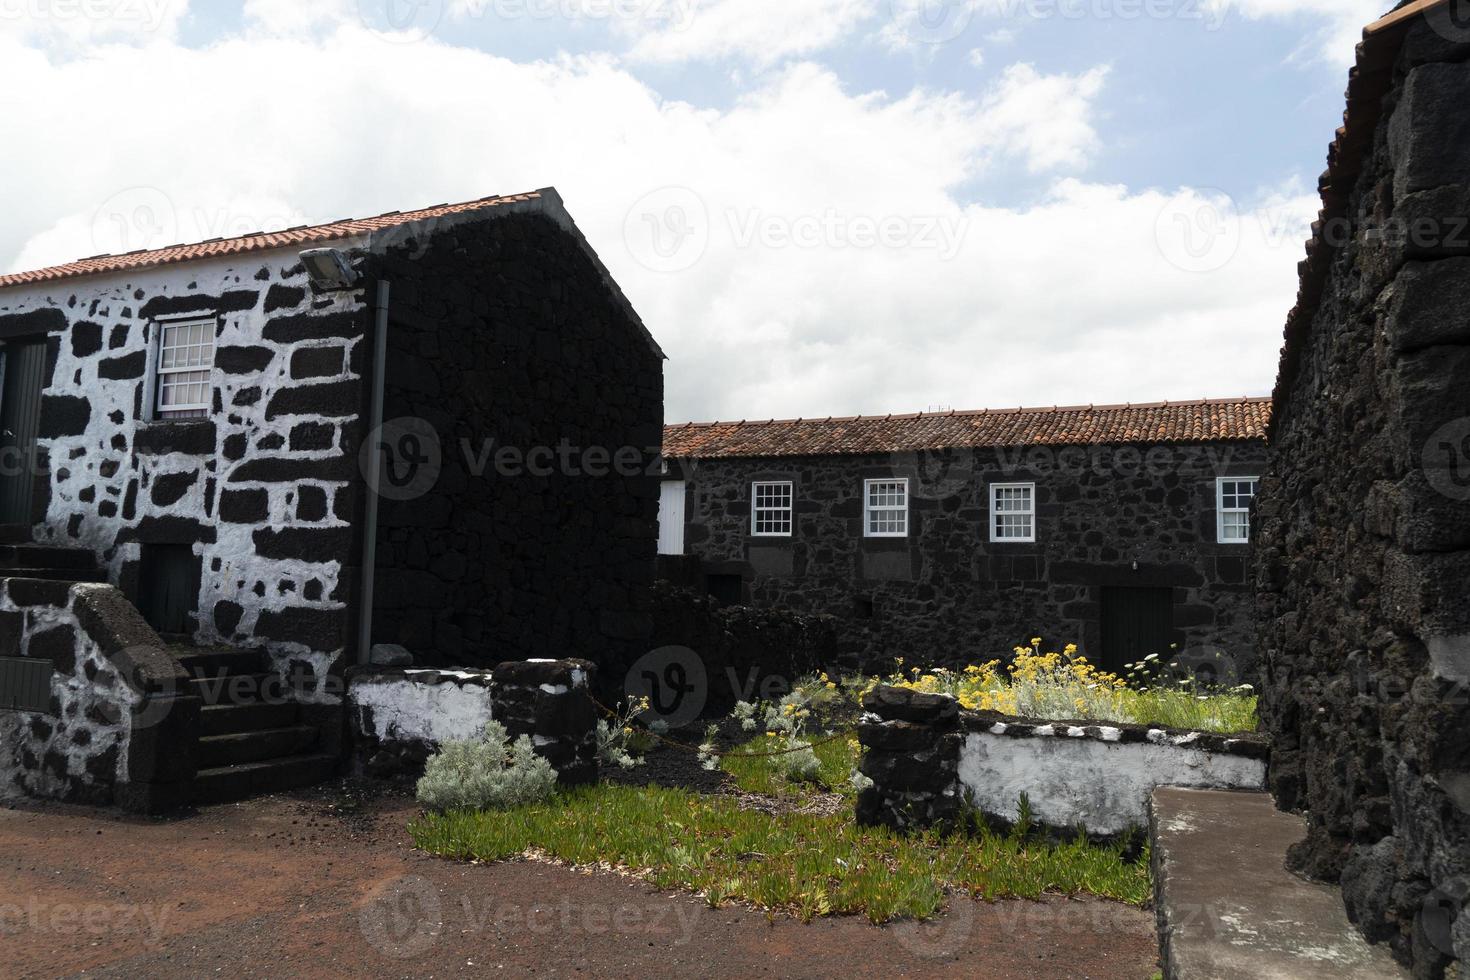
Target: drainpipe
[{"x": 374, "y": 476}]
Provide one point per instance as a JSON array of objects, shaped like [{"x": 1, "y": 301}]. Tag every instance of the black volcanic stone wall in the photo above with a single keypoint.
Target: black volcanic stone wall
[
  {"x": 911, "y": 752},
  {"x": 946, "y": 594},
  {"x": 744, "y": 653},
  {"x": 122, "y": 724},
  {"x": 1363, "y": 548},
  {"x": 505, "y": 337}
]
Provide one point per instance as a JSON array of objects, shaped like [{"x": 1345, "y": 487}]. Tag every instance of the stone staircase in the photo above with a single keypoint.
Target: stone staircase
[
  {"x": 49, "y": 562},
  {"x": 255, "y": 737}
]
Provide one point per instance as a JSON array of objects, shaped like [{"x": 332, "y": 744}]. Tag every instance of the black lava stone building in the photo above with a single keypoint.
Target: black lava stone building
[
  {"x": 951, "y": 538},
  {"x": 198, "y": 417},
  {"x": 1363, "y": 537}
]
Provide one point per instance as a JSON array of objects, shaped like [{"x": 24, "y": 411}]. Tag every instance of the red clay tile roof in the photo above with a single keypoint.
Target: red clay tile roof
[
  {"x": 1368, "y": 83},
  {"x": 256, "y": 242},
  {"x": 1212, "y": 420}
]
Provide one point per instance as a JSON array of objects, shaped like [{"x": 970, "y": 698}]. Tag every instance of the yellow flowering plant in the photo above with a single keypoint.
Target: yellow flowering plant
[{"x": 1065, "y": 686}]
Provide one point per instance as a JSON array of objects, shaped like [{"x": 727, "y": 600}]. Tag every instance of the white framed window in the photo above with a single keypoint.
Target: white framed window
[
  {"x": 184, "y": 368},
  {"x": 886, "y": 508},
  {"x": 1013, "y": 512},
  {"x": 1233, "y": 496},
  {"x": 770, "y": 509}
]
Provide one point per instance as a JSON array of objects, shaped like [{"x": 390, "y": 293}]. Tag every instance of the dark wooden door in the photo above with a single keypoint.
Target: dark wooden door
[
  {"x": 168, "y": 587},
  {"x": 1135, "y": 623},
  {"x": 20, "y": 417}
]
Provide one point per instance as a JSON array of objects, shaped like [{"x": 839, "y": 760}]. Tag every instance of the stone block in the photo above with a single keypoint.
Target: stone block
[
  {"x": 1430, "y": 304},
  {"x": 243, "y": 360},
  {"x": 1429, "y": 133}
]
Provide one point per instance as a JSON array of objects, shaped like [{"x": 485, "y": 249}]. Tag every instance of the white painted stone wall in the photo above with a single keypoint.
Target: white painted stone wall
[
  {"x": 231, "y": 568},
  {"x": 81, "y": 751},
  {"x": 1071, "y": 778},
  {"x": 421, "y": 705}
]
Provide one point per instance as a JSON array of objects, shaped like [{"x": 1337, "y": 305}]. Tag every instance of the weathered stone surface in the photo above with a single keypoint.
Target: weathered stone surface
[
  {"x": 1226, "y": 906},
  {"x": 1430, "y": 305},
  {"x": 194, "y": 437},
  {"x": 1362, "y": 534},
  {"x": 169, "y": 488},
  {"x": 243, "y": 360},
  {"x": 244, "y": 506},
  {"x": 319, "y": 629},
  {"x": 459, "y": 347},
  {"x": 86, "y": 339},
  {"x": 1107, "y": 517},
  {"x": 1429, "y": 134},
  {"x": 335, "y": 399},
  {"x": 317, "y": 362},
  {"x": 122, "y": 368},
  {"x": 64, "y": 415}
]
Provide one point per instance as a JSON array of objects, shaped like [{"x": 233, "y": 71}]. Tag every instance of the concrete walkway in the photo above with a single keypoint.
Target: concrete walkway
[{"x": 1227, "y": 906}]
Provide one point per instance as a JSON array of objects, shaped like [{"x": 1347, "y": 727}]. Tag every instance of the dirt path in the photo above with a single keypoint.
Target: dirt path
[{"x": 295, "y": 886}]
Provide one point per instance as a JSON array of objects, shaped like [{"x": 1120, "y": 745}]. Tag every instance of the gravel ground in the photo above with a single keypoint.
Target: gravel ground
[{"x": 326, "y": 883}]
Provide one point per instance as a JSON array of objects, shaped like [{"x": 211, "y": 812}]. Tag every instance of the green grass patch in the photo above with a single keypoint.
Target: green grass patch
[
  {"x": 756, "y": 773},
  {"x": 803, "y": 864}
]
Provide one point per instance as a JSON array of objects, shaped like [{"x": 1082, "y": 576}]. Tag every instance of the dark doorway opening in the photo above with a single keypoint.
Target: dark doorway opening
[
  {"x": 168, "y": 588},
  {"x": 23, "y": 377},
  {"x": 726, "y": 590},
  {"x": 1135, "y": 623}
]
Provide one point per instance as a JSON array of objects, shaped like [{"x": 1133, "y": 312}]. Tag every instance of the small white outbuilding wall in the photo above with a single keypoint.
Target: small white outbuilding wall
[{"x": 1094, "y": 776}]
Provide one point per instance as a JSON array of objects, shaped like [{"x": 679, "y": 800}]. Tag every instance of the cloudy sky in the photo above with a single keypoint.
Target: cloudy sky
[{"x": 820, "y": 207}]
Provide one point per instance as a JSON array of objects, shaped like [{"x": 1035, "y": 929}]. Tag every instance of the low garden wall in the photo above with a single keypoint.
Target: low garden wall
[
  {"x": 928, "y": 760},
  {"x": 400, "y": 716},
  {"x": 120, "y": 725},
  {"x": 746, "y": 654}
]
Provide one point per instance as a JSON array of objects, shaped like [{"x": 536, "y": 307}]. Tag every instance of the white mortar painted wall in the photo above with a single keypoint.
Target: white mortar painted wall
[
  {"x": 1071, "y": 780},
  {"x": 114, "y": 300},
  {"x": 406, "y": 707},
  {"x": 93, "y": 705}
]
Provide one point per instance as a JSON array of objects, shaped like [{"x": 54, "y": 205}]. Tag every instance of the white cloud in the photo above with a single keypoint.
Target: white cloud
[
  {"x": 1046, "y": 117},
  {"x": 976, "y": 57},
  {"x": 1338, "y": 23},
  {"x": 763, "y": 31},
  {"x": 839, "y": 273},
  {"x": 69, "y": 26},
  {"x": 295, "y": 17}
]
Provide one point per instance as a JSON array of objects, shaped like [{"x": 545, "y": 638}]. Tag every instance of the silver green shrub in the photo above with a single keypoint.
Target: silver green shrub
[{"x": 485, "y": 774}]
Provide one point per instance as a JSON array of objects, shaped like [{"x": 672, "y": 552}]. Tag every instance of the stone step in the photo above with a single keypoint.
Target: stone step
[
  {"x": 233, "y": 719},
  {"x": 1226, "y": 905},
  {"x": 217, "y": 661},
  {"x": 16, "y": 533},
  {"x": 46, "y": 556},
  {"x": 55, "y": 574},
  {"x": 222, "y": 751},
  {"x": 239, "y": 688},
  {"x": 223, "y": 784}
]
